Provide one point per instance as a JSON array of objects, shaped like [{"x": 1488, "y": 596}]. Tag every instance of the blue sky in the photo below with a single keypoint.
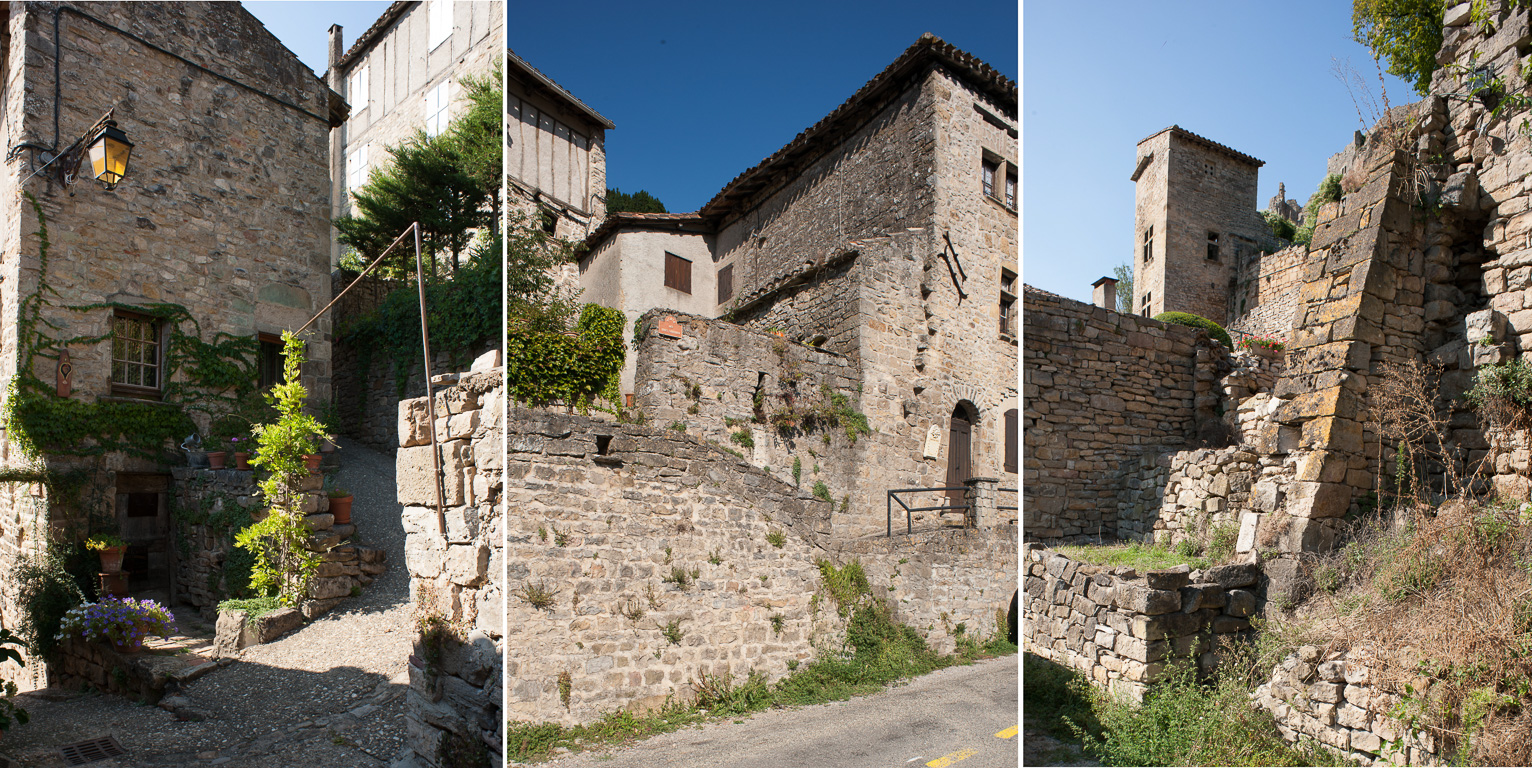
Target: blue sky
[
  {"x": 304, "y": 26},
  {"x": 702, "y": 91},
  {"x": 1254, "y": 76}
]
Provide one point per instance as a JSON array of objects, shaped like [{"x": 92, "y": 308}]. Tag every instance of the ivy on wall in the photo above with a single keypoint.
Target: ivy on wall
[
  {"x": 574, "y": 367},
  {"x": 215, "y": 374}
]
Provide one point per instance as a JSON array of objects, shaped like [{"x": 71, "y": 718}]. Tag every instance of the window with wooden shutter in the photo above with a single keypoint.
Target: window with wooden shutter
[
  {"x": 726, "y": 283},
  {"x": 1010, "y": 440},
  {"x": 678, "y": 273}
]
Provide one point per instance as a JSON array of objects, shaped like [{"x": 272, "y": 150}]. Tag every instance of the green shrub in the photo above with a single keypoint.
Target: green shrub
[
  {"x": 1197, "y": 321},
  {"x": 255, "y": 606},
  {"x": 742, "y": 438},
  {"x": 1279, "y": 225},
  {"x": 1221, "y": 542},
  {"x": 821, "y": 491},
  {"x": 44, "y": 592},
  {"x": 1329, "y": 191}
]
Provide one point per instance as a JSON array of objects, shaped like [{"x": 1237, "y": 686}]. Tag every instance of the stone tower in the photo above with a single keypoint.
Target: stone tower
[{"x": 1194, "y": 218}]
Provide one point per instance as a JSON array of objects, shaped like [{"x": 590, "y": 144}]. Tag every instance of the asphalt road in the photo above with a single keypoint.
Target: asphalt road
[{"x": 961, "y": 717}]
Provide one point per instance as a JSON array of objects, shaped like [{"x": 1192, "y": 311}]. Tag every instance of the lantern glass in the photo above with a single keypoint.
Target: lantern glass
[{"x": 109, "y": 156}]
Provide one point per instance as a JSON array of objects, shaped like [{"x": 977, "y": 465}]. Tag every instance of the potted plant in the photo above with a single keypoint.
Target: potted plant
[
  {"x": 122, "y": 622},
  {"x": 237, "y": 445},
  {"x": 111, "y": 548},
  {"x": 340, "y": 505}
]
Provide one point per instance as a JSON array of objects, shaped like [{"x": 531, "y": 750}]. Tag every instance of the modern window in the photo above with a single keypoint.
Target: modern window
[
  {"x": 678, "y": 273},
  {"x": 270, "y": 362},
  {"x": 725, "y": 283},
  {"x": 1212, "y": 246},
  {"x": 438, "y": 100},
  {"x": 1007, "y": 302},
  {"x": 1149, "y": 244},
  {"x": 357, "y": 166},
  {"x": 440, "y": 18},
  {"x": 1010, "y": 441},
  {"x": 989, "y": 170},
  {"x": 135, "y": 355},
  {"x": 357, "y": 89}
]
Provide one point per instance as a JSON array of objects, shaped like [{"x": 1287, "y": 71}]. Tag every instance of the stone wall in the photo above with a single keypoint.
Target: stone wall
[
  {"x": 1333, "y": 699},
  {"x": 1121, "y": 628},
  {"x": 646, "y": 558},
  {"x": 1266, "y": 291},
  {"x": 1102, "y": 390},
  {"x": 456, "y": 672}
]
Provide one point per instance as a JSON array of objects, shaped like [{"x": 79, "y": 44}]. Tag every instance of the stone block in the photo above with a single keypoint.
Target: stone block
[
  {"x": 1139, "y": 599},
  {"x": 1233, "y": 575},
  {"x": 1249, "y": 522},
  {"x": 279, "y": 622},
  {"x": 324, "y": 589},
  {"x": 229, "y": 633},
  {"x": 1319, "y": 500},
  {"x": 467, "y": 564},
  {"x": 1171, "y": 578},
  {"x": 1242, "y": 603}
]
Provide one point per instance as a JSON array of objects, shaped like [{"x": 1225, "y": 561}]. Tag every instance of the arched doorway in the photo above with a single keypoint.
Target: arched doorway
[{"x": 960, "y": 449}]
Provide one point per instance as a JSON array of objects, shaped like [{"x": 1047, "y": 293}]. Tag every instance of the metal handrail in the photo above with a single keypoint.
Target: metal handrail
[
  {"x": 1005, "y": 508},
  {"x": 909, "y": 512}
]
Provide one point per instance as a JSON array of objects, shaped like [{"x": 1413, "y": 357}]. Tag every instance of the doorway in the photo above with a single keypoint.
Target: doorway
[
  {"x": 960, "y": 450},
  {"x": 143, "y": 516}
]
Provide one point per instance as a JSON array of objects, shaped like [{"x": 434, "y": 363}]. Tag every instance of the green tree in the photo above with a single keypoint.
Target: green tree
[
  {"x": 618, "y": 201},
  {"x": 1408, "y": 33},
  {"x": 1124, "y": 275},
  {"x": 449, "y": 183}
]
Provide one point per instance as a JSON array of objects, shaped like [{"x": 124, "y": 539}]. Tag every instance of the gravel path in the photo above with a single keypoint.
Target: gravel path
[{"x": 331, "y": 693}]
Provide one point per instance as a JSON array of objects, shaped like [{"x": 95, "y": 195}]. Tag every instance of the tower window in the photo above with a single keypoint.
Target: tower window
[
  {"x": 1149, "y": 244},
  {"x": 1212, "y": 246}
]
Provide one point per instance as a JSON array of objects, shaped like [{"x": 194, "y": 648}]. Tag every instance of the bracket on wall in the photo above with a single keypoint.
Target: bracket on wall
[{"x": 954, "y": 266}]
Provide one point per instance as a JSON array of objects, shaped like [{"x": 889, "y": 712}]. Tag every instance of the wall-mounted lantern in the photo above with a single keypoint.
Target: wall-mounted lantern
[{"x": 109, "y": 152}]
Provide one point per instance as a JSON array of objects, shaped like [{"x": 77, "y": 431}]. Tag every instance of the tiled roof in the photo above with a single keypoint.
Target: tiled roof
[
  {"x": 857, "y": 110},
  {"x": 1206, "y": 142},
  {"x": 618, "y": 221},
  {"x": 395, "y": 10},
  {"x": 517, "y": 62}
]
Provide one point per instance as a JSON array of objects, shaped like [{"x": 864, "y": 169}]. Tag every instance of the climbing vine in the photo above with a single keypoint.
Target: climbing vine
[
  {"x": 214, "y": 375},
  {"x": 574, "y": 367}
]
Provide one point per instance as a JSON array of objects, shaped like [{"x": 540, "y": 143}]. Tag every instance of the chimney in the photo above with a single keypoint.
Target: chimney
[
  {"x": 337, "y": 50},
  {"x": 1106, "y": 293}
]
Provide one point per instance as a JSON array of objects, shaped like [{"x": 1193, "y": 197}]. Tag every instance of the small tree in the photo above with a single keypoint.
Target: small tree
[
  {"x": 641, "y": 201},
  {"x": 283, "y": 563},
  {"x": 1124, "y": 273}
]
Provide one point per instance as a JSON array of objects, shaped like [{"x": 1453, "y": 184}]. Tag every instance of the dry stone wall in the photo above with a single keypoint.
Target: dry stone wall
[
  {"x": 1121, "y": 628},
  {"x": 456, "y": 671},
  {"x": 1103, "y": 390}
]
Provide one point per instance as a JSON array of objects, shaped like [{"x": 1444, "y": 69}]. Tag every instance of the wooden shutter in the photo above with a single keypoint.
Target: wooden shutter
[
  {"x": 725, "y": 283},
  {"x": 678, "y": 273}
]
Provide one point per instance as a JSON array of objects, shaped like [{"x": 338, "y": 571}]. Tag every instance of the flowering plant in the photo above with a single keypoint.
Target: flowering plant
[
  {"x": 104, "y": 541},
  {"x": 1264, "y": 342},
  {"x": 239, "y": 444},
  {"x": 124, "y": 621}
]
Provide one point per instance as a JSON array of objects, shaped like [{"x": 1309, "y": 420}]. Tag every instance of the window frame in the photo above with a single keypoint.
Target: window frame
[
  {"x": 262, "y": 340},
  {"x": 988, "y": 170},
  {"x": 1213, "y": 242},
  {"x": 1148, "y": 244},
  {"x": 359, "y": 85},
  {"x": 127, "y": 389},
  {"x": 438, "y": 115},
  {"x": 1007, "y": 314},
  {"x": 1012, "y": 449},
  {"x": 439, "y": 19}
]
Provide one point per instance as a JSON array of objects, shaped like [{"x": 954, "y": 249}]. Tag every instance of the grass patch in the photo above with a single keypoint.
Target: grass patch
[
  {"x": 1056, "y": 697},
  {"x": 255, "y": 607},
  {"x": 1144, "y": 557}
]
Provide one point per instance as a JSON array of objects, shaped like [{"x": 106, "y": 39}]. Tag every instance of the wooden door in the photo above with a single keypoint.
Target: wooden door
[{"x": 959, "y": 454}]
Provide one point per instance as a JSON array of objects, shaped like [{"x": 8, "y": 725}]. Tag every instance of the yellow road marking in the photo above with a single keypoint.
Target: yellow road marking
[
  {"x": 1009, "y": 733},
  {"x": 946, "y": 760}
]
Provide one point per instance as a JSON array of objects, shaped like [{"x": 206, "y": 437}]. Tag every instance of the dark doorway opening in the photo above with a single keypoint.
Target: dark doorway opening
[{"x": 960, "y": 450}]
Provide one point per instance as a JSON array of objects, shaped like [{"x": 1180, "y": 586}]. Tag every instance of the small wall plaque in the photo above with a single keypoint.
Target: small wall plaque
[
  {"x": 669, "y": 327},
  {"x": 934, "y": 441}
]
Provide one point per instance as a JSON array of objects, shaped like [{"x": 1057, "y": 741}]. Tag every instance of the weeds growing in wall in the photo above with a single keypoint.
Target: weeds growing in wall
[{"x": 878, "y": 651}]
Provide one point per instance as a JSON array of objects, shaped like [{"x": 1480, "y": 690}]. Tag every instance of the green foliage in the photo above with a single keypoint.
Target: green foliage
[
  {"x": 44, "y": 591},
  {"x": 1124, "y": 275},
  {"x": 638, "y": 202},
  {"x": 539, "y": 595},
  {"x": 846, "y": 585},
  {"x": 255, "y": 607},
  {"x": 10, "y": 714},
  {"x": 742, "y": 438},
  {"x": 1147, "y": 557},
  {"x": 282, "y": 560},
  {"x": 821, "y": 491},
  {"x": 672, "y": 631},
  {"x": 1197, "y": 321},
  {"x": 797, "y": 470},
  {"x": 449, "y": 183},
  {"x": 832, "y": 410},
  {"x": 1221, "y": 542},
  {"x": 545, "y": 366},
  {"x": 1279, "y": 225},
  {"x": 1329, "y": 191},
  {"x": 776, "y": 539},
  {"x": 1503, "y": 391},
  {"x": 1408, "y": 33},
  {"x": 101, "y": 541}
]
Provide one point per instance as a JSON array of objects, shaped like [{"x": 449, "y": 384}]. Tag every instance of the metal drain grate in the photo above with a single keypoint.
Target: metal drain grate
[{"x": 83, "y": 752}]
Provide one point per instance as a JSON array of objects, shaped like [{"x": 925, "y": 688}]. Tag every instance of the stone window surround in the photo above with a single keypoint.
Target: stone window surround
[
  {"x": 1007, "y": 303},
  {"x": 124, "y": 388},
  {"x": 1149, "y": 244},
  {"x": 997, "y": 178}
]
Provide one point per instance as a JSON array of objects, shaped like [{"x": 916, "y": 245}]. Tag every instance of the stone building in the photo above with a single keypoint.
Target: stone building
[
  {"x": 555, "y": 160},
  {"x": 1194, "y": 221},
  {"x": 130, "y": 313},
  {"x": 401, "y": 76},
  {"x": 885, "y": 234}
]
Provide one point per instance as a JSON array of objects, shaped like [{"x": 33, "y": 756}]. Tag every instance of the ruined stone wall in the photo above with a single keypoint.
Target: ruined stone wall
[
  {"x": 456, "y": 673},
  {"x": 1266, "y": 291},
  {"x": 1102, "y": 389},
  {"x": 1121, "y": 628},
  {"x": 632, "y": 533},
  {"x": 1333, "y": 699}
]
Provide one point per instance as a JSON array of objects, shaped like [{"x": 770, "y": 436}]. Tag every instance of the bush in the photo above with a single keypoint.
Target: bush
[
  {"x": 1329, "y": 191},
  {"x": 45, "y": 592},
  {"x": 1197, "y": 321},
  {"x": 1503, "y": 393},
  {"x": 1280, "y": 227}
]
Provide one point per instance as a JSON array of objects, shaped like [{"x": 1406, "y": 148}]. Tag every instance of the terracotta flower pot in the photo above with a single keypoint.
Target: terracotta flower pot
[
  {"x": 311, "y": 460},
  {"x": 215, "y": 459},
  {"x": 242, "y": 461},
  {"x": 115, "y": 583},
  {"x": 341, "y": 508},
  {"x": 111, "y": 558}
]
